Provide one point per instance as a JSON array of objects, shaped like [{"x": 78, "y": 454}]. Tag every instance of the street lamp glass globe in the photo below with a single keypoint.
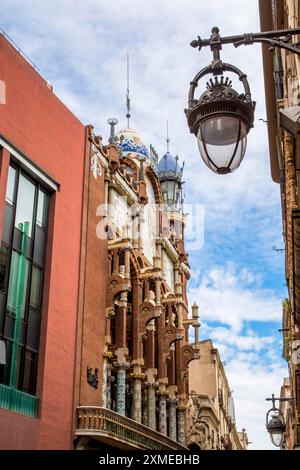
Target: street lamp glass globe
[
  {"x": 276, "y": 428},
  {"x": 170, "y": 191},
  {"x": 277, "y": 438},
  {"x": 222, "y": 142}
]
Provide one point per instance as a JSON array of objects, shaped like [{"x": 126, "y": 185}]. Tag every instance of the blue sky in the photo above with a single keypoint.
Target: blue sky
[{"x": 237, "y": 280}]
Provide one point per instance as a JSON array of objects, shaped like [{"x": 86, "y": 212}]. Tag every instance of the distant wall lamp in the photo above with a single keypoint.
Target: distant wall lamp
[{"x": 275, "y": 423}]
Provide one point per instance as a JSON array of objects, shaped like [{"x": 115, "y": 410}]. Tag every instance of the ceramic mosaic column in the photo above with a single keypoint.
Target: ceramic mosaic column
[
  {"x": 137, "y": 398},
  {"x": 121, "y": 388},
  {"x": 121, "y": 365},
  {"x": 108, "y": 387},
  {"x": 163, "y": 414},
  {"x": 172, "y": 419},
  {"x": 104, "y": 384},
  {"x": 145, "y": 408},
  {"x": 152, "y": 406},
  {"x": 181, "y": 425}
]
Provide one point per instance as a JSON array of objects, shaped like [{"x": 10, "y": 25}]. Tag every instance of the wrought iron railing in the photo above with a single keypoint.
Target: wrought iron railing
[{"x": 98, "y": 422}]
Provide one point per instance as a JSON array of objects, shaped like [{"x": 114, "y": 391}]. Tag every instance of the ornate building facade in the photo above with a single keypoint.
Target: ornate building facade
[
  {"x": 94, "y": 324},
  {"x": 136, "y": 390},
  {"x": 211, "y": 416},
  {"x": 282, "y": 85}
]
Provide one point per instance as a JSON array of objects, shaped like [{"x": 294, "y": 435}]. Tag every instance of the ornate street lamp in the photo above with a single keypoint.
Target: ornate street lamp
[
  {"x": 275, "y": 423},
  {"x": 222, "y": 117},
  {"x": 170, "y": 178},
  {"x": 275, "y": 426}
]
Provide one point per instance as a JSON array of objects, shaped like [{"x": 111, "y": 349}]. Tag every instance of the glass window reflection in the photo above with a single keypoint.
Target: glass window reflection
[
  {"x": 10, "y": 187},
  {"x": 36, "y": 287},
  {"x": 42, "y": 209},
  {"x": 25, "y": 203}
]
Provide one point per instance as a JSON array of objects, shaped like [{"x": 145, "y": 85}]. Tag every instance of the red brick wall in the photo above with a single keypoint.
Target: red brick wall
[
  {"x": 36, "y": 121},
  {"x": 94, "y": 270}
]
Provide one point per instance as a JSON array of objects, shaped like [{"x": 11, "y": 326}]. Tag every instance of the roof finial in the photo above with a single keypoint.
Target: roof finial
[
  {"x": 167, "y": 139},
  {"x": 127, "y": 93},
  {"x": 112, "y": 122}
]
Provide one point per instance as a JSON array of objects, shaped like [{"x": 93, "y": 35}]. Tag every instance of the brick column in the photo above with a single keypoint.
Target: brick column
[
  {"x": 127, "y": 263},
  {"x": 157, "y": 289},
  {"x": 180, "y": 319},
  {"x": 136, "y": 302},
  {"x": 111, "y": 200},
  {"x": 150, "y": 345},
  {"x": 121, "y": 321},
  {"x": 160, "y": 349}
]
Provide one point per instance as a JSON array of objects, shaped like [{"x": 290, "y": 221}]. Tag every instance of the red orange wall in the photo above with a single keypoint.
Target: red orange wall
[{"x": 36, "y": 121}]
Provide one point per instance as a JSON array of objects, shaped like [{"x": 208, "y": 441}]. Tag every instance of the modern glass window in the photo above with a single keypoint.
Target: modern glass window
[
  {"x": 10, "y": 189},
  {"x": 22, "y": 264},
  {"x": 36, "y": 287},
  {"x": 25, "y": 203},
  {"x": 42, "y": 209}
]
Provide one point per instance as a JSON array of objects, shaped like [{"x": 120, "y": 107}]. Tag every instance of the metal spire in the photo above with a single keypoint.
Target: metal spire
[
  {"x": 167, "y": 139},
  {"x": 127, "y": 94}
]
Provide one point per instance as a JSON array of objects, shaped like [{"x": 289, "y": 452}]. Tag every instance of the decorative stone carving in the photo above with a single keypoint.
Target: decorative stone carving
[
  {"x": 96, "y": 167},
  {"x": 92, "y": 378},
  {"x": 110, "y": 312}
]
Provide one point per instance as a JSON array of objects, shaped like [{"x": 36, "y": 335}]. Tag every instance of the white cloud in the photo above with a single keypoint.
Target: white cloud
[
  {"x": 229, "y": 337},
  {"x": 254, "y": 372},
  {"x": 228, "y": 296},
  {"x": 252, "y": 382},
  {"x": 234, "y": 298}
]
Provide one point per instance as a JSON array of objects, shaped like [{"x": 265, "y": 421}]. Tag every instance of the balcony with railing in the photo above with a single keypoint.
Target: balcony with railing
[{"x": 111, "y": 428}]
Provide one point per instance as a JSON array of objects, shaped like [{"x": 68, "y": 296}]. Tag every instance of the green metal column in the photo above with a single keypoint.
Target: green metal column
[{"x": 19, "y": 303}]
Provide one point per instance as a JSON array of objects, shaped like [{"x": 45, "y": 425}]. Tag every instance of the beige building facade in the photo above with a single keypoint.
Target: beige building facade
[
  {"x": 211, "y": 418},
  {"x": 282, "y": 90}
]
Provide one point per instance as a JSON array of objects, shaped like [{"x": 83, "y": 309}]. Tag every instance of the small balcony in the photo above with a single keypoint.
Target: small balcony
[{"x": 111, "y": 428}]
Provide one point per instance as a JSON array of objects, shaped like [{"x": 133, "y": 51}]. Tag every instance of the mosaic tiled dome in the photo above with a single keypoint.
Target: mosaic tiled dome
[
  {"x": 131, "y": 143},
  {"x": 167, "y": 164}
]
